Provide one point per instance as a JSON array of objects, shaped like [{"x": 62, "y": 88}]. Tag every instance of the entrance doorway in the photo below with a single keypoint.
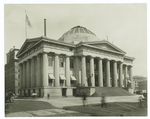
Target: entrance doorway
[
  {"x": 39, "y": 92},
  {"x": 64, "y": 90},
  {"x": 28, "y": 92},
  {"x": 74, "y": 92},
  {"x": 96, "y": 80},
  {"x": 24, "y": 93}
]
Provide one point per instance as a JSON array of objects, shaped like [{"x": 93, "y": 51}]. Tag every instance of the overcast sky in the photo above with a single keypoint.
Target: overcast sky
[{"x": 124, "y": 24}]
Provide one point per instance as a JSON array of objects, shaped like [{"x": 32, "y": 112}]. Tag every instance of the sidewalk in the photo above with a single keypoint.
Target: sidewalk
[{"x": 74, "y": 101}]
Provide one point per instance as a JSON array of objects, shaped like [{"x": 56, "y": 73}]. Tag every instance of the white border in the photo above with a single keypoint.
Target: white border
[{"x": 63, "y": 2}]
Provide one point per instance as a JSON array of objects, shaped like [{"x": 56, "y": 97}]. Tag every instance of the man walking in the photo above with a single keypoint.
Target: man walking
[{"x": 103, "y": 101}]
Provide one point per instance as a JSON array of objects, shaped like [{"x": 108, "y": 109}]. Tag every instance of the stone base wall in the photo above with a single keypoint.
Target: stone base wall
[
  {"x": 92, "y": 90},
  {"x": 69, "y": 92},
  {"x": 52, "y": 91},
  {"x": 85, "y": 90},
  {"x": 131, "y": 90}
]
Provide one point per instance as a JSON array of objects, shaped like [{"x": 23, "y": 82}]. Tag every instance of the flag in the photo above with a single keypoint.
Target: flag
[{"x": 28, "y": 21}]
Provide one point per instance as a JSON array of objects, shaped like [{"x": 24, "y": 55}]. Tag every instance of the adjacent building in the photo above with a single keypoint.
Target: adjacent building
[
  {"x": 140, "y": 83},
  {"x": 12, "y": 71},
  {"x": 56, "y": 67}
]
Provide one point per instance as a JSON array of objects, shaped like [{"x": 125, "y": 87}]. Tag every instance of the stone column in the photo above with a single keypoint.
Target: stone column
[
  {"x": 32, "y": 73},
  {"x": 115, "y": 74},
  {"x": 20, "y": 79},
  {"x": 83, "y": 71},
  {"x": 27, "y": 74},
  {"x": 41, "y": 70},
  {"x": 107, "y": 73},
  {"x": 120, "y": 75},
  {"x": 100, "y": 72},
  {"x": 56, "y": 70},
  {"x": 92, "y": 71},
  {"x": 77, "y": 65},
  {"x": 38, "y": 72},
  {"x": 67, "y": 71},
  {"x": 45, "y": 70},
  {"x": 22, "y": 93},
  {"x": 130, "y": 76},
  {"x": 125, "y": 76},
  {"x": 24, "y": 74},
  {"x": 31, "y": 91}
]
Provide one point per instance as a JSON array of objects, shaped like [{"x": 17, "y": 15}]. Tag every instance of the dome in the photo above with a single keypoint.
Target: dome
[{"x": 78, "y": 34}]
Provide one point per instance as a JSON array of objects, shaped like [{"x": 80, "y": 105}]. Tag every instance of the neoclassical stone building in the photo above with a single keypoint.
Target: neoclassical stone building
[{"x": 56, "y": 67}]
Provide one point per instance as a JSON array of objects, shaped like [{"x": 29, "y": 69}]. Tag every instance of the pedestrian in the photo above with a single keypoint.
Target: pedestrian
[
  {"x": 103, "y": 100},
  {"x": 84, "y": 98},
  {"x": 48, "y": 96}
]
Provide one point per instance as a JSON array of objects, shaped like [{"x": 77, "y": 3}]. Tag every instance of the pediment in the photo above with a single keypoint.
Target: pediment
[
  {"x": 28, "y": 44},
  {"x": 105, "y": 45}
]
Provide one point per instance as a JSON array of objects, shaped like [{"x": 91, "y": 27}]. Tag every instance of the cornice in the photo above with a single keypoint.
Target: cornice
[
  {"x": 130, "y": 58},
  {"x": 100, "y": 48}
]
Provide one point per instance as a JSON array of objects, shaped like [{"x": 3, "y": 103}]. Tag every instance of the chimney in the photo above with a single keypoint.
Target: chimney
[{"x": 44, "y": 27}]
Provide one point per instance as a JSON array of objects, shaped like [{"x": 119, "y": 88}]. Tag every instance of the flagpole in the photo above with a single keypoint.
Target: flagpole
[
  {"x": 25, "y": 26},
  {"x": 27, "y": 22},
  {"x": 107, "y": 38}
]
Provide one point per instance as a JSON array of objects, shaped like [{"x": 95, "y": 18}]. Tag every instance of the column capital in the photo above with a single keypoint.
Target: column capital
[
  {"x": 56, "y": 54},
  {"x": 100, "y": 58},
  {"x": 125, "y": 65},
  {"x": 120, "y": 62},
  {"x": 83, "y": 55},
  {"x": 40, "y": 54},
  {"x": 21, "y": 63},
  {"x": 130, "y": 66},
  {"x": 67, "y": 55},
  {"x": 91, "y": 57},
  {"x": 107, "y": 59},
  {"x": 24, "y": 61},
  {"x": 28, "y": 59},
  {"x": 33, "y": 58},
  {"x": 44, "y": 53},
  {"x": 114, "y": 61}
]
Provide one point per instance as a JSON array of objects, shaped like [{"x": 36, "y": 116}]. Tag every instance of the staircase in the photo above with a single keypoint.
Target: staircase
[{"x": 111, "y": 91}]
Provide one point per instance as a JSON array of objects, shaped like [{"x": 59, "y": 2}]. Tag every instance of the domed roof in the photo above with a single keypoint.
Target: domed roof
[{"x": 77, "y": 34}]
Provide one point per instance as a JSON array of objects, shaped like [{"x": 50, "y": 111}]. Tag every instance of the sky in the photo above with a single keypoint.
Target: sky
[{"x": 124, "y": 24}]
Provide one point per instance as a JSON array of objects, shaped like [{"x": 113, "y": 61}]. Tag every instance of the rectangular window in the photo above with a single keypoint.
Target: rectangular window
[
  {"x": 33, "y": 90},
  {"x": 72, "y": 82},
  {"x": 103, "y": 69},
  {"x": 61, "y": 81},
  {"x": 71, "y": 63},
  {"x": 88, "y": 66},
  {"x": 50, "y": 61},
  {"x": 61, "y": 62},
  {"x": 50, "y": 80},
  {"x": 95, "y": 67}
]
